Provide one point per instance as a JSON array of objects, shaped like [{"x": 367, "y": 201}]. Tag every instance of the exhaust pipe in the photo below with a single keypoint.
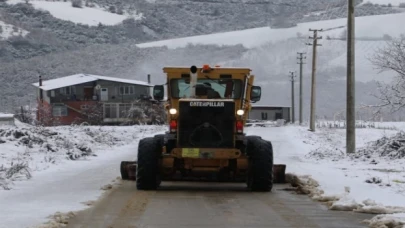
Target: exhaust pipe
[{"x": 193, "y": 80}]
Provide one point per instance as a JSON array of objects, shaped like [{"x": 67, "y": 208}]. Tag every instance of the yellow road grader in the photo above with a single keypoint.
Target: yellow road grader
[{"x": 207, "y": 109}]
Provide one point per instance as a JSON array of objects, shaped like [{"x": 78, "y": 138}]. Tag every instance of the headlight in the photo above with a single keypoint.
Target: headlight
[
  {"x": 240, "y": 112},
  {"x": 172, "y": 111}
]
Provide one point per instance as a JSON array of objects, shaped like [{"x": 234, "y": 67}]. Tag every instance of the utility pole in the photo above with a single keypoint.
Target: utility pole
[
  {"x": 292, "y": 76},
  {"x": 301, "y": 58},
  {"x": 350, "y": 102},
  {"x": 313, "y": 84}
]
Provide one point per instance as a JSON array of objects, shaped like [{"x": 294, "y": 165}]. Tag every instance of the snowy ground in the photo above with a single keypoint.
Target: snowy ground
[
  {"x": 86, "y": 15},
  {"x": 8, "y": 31},
  {"x": 385, "y": 2},
  {"x": 63, "y": 178},
  {"x": 371, "y": 182}
]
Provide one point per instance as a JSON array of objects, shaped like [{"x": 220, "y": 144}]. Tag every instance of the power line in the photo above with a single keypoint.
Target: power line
[{"x": 313, "y": 84}]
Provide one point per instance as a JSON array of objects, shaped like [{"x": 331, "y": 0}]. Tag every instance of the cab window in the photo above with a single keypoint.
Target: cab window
[{"x": 227, "y": 88}]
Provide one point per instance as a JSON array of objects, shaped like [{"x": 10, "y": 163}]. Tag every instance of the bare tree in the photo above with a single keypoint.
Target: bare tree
[{"x": 391, "y": 58}]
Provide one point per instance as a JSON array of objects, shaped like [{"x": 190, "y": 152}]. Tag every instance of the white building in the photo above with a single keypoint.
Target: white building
[
  {"x": 269, "y": 112},
  {"x": 6, "y": 119}
]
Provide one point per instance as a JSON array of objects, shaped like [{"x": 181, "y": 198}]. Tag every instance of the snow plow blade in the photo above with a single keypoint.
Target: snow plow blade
[{"x": 128, "y": 172}]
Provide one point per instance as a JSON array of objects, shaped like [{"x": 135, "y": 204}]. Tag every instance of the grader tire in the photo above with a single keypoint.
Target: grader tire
[
  {"x": 147, "y": 175},
  {"x": 260, "y": 174},
  {"x": 160, "y": 139}
]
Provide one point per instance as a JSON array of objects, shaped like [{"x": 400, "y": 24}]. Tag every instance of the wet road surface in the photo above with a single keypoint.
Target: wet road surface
[{"x": 213, "y": 205}]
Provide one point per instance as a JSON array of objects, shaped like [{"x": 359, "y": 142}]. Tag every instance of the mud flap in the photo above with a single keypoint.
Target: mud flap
[
  {"x": 128, "y": 170},
  {"x": 279, "y": 173}
]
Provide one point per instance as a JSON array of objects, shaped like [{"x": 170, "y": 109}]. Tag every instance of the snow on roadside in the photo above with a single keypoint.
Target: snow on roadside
[
  {"x": 387, "y": 216},
  {"x": 26, "y": 149},
  {"x": 391, "y": 220},
  {"x": 319, "y": 167},
  {"x": 57, "y": 189}
]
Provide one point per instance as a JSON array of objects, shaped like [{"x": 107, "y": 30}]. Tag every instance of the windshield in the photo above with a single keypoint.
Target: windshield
[{"x": 226, "y": 88}]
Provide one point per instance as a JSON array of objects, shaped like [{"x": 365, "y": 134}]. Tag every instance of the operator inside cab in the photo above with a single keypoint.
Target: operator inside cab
[{"x": 211, "y": 93}]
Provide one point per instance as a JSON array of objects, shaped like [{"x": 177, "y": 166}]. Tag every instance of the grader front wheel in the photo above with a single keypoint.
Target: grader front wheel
[
  {"x": 260, "y": 171},
  {"x": 148, "y": 164}
]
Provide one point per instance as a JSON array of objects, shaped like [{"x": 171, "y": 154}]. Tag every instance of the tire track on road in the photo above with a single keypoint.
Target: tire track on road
[{"x": 121, "y": 207}]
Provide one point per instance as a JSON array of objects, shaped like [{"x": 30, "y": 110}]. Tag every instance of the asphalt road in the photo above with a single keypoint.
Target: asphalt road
[{"x": 213, "y": 205}]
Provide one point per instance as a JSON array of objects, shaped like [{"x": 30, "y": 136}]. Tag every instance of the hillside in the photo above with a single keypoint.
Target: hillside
[
  {"x": 44, "y": 38},
  {"x": 272, "y": 54},
  {"x": 57, "y": 26},
  {"x": 278, "y": 47}
]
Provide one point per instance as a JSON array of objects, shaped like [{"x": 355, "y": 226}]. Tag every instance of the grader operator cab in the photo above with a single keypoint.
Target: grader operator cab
[{"x": 207, "y": 110}]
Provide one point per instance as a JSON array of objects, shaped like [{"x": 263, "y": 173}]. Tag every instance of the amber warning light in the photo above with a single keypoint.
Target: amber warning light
[{"x": 206, "y": 67}]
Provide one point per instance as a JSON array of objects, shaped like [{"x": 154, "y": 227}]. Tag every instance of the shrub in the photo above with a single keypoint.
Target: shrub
[
  {"x": 77, "y": 3},
  {"x": 120, "y": 11},
  {"x": 112, "y": 9},
  {"x": 368, "y": 4}
]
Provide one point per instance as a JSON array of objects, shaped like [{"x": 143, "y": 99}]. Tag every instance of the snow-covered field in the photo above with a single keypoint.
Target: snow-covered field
[
  {"x": 45, "y": 170},
  {"x": 384, "y": 2},
  {"x": 8, "y": 31},
  {"x": 86, "y": 15},
  {"x": 368, "y": 26},
  {"x": 372, "y": 181}
]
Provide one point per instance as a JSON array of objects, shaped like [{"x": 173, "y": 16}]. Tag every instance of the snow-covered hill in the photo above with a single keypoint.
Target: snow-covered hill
[
  {"x": 276, "y": 49},
  {"x": 366, "y": 27},
  {"x": 52, "y": 30},
  {"x": 272, "y": 53},
  {"x": 86, "y": 15}
]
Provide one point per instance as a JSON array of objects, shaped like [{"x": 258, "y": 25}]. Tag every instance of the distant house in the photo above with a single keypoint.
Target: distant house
[
  {"x": 273, "y": 113},
  {"x": 87, "y": 98},
  {"x": 6, "y": 119}
]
